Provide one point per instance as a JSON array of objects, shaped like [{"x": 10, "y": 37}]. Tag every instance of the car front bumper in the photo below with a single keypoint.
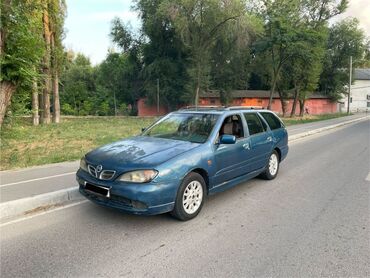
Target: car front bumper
[{"x": 147, "y": 198}]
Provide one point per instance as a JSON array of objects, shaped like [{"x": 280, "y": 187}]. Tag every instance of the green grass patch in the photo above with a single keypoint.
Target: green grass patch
[
  {"x": 312, "y": 118},
  {"x": 24, "y": 145}
]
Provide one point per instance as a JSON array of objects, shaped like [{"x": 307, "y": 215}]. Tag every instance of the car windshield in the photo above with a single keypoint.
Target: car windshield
[{"x": 186, "y": 127}]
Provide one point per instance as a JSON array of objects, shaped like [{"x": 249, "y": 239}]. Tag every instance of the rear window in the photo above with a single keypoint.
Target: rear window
[{"x": 272, "y": 120}]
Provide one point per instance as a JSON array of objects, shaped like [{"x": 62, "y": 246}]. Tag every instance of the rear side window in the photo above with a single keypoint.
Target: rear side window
[
  {"x": 272, "y": 120},
  {"x": 254, "y": 123}
]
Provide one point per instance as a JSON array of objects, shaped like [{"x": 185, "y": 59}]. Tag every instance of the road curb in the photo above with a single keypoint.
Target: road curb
[
  {"x": 39, "y": 203},
  {"x": 32, "y": 205},
  {"x": 322, "y": 129}
]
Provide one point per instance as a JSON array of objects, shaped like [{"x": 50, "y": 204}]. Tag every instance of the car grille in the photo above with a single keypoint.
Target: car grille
[{"x": 102, "y": 174}]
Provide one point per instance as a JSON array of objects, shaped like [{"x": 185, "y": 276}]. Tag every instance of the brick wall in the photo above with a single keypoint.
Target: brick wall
[
  {"x": 314, "y": 106},
  {"x": 143, "y": 109}
]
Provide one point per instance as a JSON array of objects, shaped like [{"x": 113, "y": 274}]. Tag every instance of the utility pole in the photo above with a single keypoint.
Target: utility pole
[
  {"x": 115, "y": 103},
  {"x": 158, "y": 96},
  {"x": 350, "y": 83}
]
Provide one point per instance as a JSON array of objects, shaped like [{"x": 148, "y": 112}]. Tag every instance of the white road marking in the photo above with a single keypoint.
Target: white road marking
[
  {"x": 42, "y": 213},
  {"x": 368, "y": 177},
  {"x": 38, "y": 179}
]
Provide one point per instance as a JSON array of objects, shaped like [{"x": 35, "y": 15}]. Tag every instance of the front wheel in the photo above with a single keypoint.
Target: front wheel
[
  {"x": 272, "y": 167},
  {"x": 189, "y": 199}
]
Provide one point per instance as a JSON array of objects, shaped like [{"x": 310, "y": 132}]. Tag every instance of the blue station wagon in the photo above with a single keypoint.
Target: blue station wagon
[{"x": 183, "y": 157}]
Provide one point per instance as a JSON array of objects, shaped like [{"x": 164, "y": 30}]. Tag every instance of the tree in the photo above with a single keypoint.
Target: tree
[
  {"x": 199, "y": 23},
  {"x": 53, "y": 20},
  {"x": 164, "y": 56},
  {"x": 57, "y": 16},
  {"x": 318, "y": 12},
  {"x": 21, "y": 47},
  {"x": 294, "y": 30},
  {"x": 130, "y": 45},
  {"x": 231, "y": 58},
  {"x": 281, "y": 19},
  {"x": 113, "y": 74},
  {"x": 345, "y": 39},
  {"x": 79, "y": 93}
]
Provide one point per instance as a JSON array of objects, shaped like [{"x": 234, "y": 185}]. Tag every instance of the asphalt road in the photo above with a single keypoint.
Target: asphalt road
[
  {"x": 313, "y": 220},
  {"x": 43, "y": 179}
]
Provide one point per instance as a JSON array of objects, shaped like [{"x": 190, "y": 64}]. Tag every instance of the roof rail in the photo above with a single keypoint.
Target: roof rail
[
  {"x": 203, "y": 107},
  {"x": 244, "y": 107},
  {"x": 220, "y": 108}
]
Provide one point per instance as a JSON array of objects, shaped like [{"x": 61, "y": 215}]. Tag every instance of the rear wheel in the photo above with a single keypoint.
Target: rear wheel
[
  {"x": 189, "y": 199},
  {"x": 272, "y": 167}
]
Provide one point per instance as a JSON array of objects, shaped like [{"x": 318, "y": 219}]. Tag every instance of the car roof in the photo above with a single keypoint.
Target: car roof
[{"x": 221, "y": 109}]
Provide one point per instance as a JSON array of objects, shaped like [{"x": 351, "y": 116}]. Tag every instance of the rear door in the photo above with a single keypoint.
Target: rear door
[
  {"x": 261, "y": 141},
  {"x": 278, "y": 130}
]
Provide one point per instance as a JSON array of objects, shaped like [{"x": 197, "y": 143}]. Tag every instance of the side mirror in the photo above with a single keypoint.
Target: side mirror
[{"x": 227, "y": 139}]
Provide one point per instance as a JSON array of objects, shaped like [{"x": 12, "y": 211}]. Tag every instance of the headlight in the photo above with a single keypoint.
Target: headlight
[
  {"x": 83, "y": 164},
  {"x": 140, "y": 176}
]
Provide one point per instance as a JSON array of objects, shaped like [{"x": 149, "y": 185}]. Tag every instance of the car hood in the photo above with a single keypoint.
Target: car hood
[{"x": 138, "y": 152}]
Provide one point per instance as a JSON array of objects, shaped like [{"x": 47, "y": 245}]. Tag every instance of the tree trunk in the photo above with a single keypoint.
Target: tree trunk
[
  {"x": 56, "y": 102},
  {"x": 197, "y": 96},
  {"x": 46, "y": 115},
  {"x": 301, "y": 107},
  {"x": 7, "y": 89},
  {"x": 282, "y": 100},
  {"x": 272, "y": 91},
  {"x": 296, "y": 95},
  {"x": 35, "y": 104},
  {"x": 55, "y": 82},
  {"x": 197, "y": 89}
]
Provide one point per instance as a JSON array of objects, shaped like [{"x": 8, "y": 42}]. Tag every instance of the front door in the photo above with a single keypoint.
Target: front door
[{"x": 231, "y": 158}]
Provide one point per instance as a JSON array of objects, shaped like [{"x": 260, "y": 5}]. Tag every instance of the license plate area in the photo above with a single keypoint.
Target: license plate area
[{"x": 98, "y": 190}]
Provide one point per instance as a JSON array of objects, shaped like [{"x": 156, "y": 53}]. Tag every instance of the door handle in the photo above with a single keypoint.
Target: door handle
[
  {"x": 269, "y": 139},
  {"x": 246, "y": 146}
]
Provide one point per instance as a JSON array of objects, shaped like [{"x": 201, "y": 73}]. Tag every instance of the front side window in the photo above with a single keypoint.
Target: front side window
[
  {"x": 194, "y": 128},
  {"x": 254, "y": 123},
  {"x": 232, "y": 125},
  {"x": 272, "y": 120}
]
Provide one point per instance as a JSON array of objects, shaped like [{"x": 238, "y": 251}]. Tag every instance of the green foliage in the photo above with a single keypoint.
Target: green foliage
[
  {"x": 345, "y": 39},
  {"x": 79, "y": 88},
  {"x": 21, "y": 30},
  {"x": 131, "y": 60},
  {"x": 164, "y": 55},
  {"x": 199, "y": 24}
]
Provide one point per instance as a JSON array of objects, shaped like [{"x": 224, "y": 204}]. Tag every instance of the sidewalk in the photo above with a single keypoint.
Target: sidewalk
[
  {"x": 17, "y": 184},
  {"x": 296, "y": 129},
  {"x": 36, "y": 183}
]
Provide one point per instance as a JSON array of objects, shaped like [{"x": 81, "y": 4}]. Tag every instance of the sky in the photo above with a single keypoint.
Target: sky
[{"x": 88, "y": 23}]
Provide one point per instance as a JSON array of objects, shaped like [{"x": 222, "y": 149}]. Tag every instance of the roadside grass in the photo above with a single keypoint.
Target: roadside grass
[
  {"x": 311, "y": 118},
  {"x": 23, "y": 145}
]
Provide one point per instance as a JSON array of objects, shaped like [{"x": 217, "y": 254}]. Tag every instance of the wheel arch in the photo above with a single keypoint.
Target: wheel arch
[
  {"x": 279, "y": 152},
  {"x": 204, "y": 175}
]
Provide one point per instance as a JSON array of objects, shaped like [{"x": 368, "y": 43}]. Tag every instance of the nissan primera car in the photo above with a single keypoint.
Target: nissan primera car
[{"x": 183, "y": 157}]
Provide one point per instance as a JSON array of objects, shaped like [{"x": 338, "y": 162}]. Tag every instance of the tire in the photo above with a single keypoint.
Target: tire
[
  {"x": 190, "y": 197},
  {"x": 272, "y": 167}
]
